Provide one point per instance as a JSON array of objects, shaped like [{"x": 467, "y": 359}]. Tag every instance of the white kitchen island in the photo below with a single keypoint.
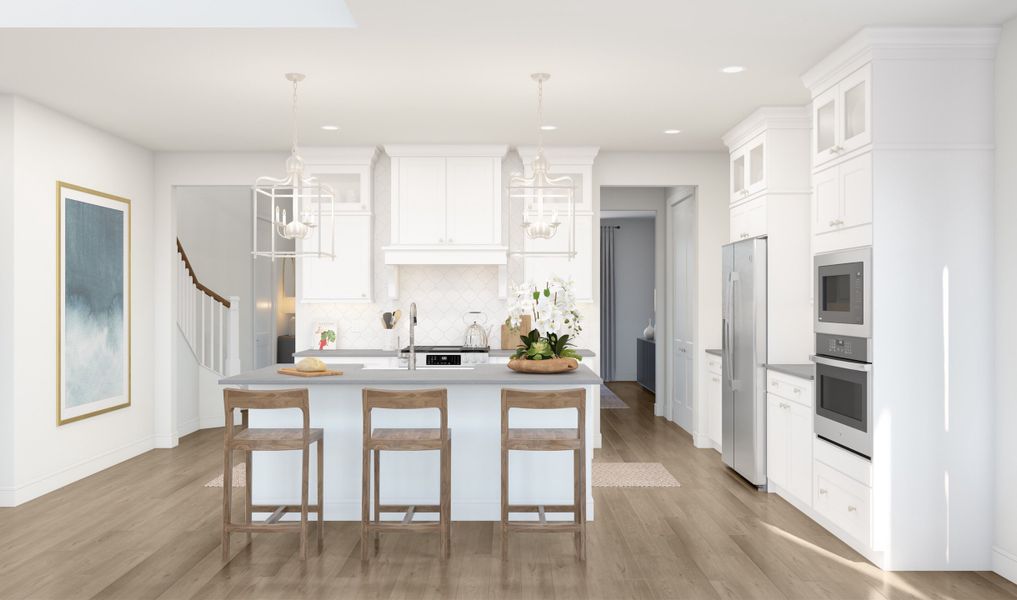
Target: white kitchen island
[{"x": 474, "y": 398}]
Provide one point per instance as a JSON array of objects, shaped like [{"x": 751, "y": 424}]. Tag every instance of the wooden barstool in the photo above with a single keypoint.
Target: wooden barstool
[
  {"x": 249, "y": 440},
  {"x": 547, "y": 440},
  {"x": 376, "y": 440}
]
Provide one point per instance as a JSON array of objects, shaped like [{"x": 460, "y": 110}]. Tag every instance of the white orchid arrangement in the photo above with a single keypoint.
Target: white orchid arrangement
[{"x": 556, "y": 319}]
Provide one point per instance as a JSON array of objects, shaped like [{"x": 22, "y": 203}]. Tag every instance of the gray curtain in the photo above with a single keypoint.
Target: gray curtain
[{"x": 607, "y": 308}]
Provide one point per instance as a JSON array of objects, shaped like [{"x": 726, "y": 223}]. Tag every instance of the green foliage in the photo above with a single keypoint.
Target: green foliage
[
  {"x": 328, "y": 335},
  {"x": 537, "y": 347}
]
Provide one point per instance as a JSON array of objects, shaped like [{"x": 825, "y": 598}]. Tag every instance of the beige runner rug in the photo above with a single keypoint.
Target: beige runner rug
[
  {"x": 239, "y": 477},
  {"x": 632, "y": 475}
]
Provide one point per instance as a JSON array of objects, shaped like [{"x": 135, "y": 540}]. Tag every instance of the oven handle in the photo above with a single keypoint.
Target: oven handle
[{"x": 841, "y": 364}]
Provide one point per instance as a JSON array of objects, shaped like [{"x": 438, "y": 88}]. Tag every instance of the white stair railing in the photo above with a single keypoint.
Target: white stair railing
[{"x": 209, "y": 322}]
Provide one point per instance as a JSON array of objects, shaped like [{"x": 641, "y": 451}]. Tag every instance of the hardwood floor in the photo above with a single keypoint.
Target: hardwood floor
[{"x": 148, "y": 529}]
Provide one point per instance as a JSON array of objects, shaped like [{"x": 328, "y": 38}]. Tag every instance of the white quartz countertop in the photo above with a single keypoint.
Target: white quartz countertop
[
  {"x": 376, "y": 352},
  {"x": 490, "y": 374}
]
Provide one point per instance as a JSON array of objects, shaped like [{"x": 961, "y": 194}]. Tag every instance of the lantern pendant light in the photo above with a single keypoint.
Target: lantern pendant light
[
  {"x": 543, "y": 196},
  {"x": 311, "y": 204}
]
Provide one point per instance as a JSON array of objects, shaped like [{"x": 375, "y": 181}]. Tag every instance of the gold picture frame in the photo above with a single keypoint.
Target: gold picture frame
[{"x": 89, "y": 322}]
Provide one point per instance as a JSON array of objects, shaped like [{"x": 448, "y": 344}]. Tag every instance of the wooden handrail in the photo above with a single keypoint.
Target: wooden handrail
[{"x": 194, "y": 278}]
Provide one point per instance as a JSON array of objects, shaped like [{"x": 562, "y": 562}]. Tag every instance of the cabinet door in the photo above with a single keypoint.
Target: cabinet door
[
  {"x": 856, "y": 191},
  {"x": 348, "y": 277},
  {"x": 419, "y": 207},
  {"x": 714, "y": 398},
  {"x": 776, "y": 441},
  {"x": 825, "y": 126},
  {"x": 826, "y": 200},
  {"x": 739, "y": 171},
  {"x": 748, "y": 220},
  {"x": 855, "y": 117},
  {"x": 579, "y": 269},
  {"x": 473, "y": 201},
  {"x": 756, "y": 176}
]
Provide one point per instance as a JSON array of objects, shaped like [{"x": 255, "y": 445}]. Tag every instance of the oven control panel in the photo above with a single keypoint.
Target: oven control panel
[
  {"x": 443, "y": 360},
  {"x": 843, "y": 346}
]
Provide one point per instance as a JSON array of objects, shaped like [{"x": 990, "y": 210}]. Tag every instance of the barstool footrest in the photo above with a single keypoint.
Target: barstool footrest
[
  {"x": 290, "y": 526},
  {"x": 562, "y": 526},
  {"x": 289, "y": 508},
  {"x": 401, "y": 508},
  {"x": 400, "y": 526},
  {"x": 276, "y": 515},
  {"x": 548, "y": 508}
]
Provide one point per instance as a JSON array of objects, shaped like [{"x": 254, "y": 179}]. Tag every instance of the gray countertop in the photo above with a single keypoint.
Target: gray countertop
[
  {"x": 376, "y": 352},
  {"x": 807, "y": 371},
  {"x": 715, "y": 351},
  {"x": 357, "y": 375}
]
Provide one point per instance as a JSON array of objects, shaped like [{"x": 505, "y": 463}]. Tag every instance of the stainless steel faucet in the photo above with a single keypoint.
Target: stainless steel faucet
[{"x": 412, "y": 365}]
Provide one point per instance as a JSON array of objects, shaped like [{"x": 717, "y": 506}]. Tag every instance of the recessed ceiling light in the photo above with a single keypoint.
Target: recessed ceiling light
[
  {"x": 549, "y": 127},
  {"x": 672, "y": 131},
  {"x": 330, "y": 127},
  {"x": 732, "y": 69}
]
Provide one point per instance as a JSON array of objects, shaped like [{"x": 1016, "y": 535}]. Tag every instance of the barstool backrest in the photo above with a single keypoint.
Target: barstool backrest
[
  {"x": 406, "y": 400},
  {"x": 543, "y": 400},
  {"x": 245, "y": 400}
]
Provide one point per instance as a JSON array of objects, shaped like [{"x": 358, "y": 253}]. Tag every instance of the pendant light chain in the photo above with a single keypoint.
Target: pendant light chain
[
  {"x": 540, "y": 115},
  {"x": 293, "y": 147}
]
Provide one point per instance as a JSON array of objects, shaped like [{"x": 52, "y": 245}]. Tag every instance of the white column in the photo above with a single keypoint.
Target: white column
[{"x": 233, "y": 345}]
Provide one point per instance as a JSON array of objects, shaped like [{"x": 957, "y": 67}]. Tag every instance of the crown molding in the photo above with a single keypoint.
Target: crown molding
[
  {"x": 444, "y": 150},
  {"x": 561, "y": 155},
  {"x": 338, "y": 155},
  {"x": 768, "y": 117},
  {"x": 901, "y": 43}
]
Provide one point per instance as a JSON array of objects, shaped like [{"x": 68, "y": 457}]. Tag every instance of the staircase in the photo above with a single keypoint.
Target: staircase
[{"x": 209, "y": 323}]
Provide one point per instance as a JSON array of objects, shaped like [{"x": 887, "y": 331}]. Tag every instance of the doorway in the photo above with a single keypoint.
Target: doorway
[{"x": 683, "y": 307}]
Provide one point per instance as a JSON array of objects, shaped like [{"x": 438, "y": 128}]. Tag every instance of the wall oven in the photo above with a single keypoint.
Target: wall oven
[
  {"x": 844, "y": 293},
  {"x": 844, "y": 392}
]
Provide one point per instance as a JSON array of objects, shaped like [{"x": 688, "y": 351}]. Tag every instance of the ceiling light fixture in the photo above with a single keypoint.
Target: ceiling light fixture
[
  {"x": 330, "y": 127},
  {"x": 732, "y": 69},
  {"x": 304, "y": 196},
  {"x": 549, "y": 127},
  {"x": 542, "y": 188},
  {"x": 672, "y": 131}
]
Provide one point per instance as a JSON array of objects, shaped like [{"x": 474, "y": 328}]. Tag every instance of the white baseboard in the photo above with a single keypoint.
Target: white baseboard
[
  {"x": 44, "y": 485},
  {"x": 212, "y": 422},
  {"x": 188, "y": 427},
  {"x": 700, "y": 440},
  {"x": 1004, "y": 563},
  {"x": 169, "y": 440}
]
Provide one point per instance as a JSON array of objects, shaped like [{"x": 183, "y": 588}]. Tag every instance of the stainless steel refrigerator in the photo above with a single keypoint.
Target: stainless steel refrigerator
[{"x": 743, "y": 439}]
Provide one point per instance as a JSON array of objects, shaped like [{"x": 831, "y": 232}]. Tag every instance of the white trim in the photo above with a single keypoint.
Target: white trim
[
  {"x": 896, "y": 43},
  {"x": 68, "y": 475},
  {"x": 188, "y": 428},
  {"x": 1004, "y": 563},
  {"x": 558, "y": 156},
  {"x": 445, "y": 255},
  {"x": 764, "y": 118},
  {"x": 361, "y": 156},
  {"x": 446, "y": 150}
]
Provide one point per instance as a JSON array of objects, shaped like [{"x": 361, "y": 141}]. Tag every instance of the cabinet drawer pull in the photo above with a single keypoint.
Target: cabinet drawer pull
[
  {"x": 852, "y": 509},
  {"x": 773, "y": 384},
  {"x": 797, "y": 390},
  {"x": 833, "y": 223},
  {"x": 715, "y": 379},
  {"x": 822, "y": 491}
]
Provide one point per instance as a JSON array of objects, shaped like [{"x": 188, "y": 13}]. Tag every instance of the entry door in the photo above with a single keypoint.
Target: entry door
[{"x": 684, "y": 244}]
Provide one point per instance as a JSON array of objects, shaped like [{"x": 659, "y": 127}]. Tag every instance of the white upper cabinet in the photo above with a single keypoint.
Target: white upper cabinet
[
  {"x": 748, "y": 219},
  {"x": 842, "y": 205},
  {"x": 748, "y": 169},
  {"x": 842, "y": 117},
  {"x": 769, "y": 153},
  {"x": 446, "y": 205}
]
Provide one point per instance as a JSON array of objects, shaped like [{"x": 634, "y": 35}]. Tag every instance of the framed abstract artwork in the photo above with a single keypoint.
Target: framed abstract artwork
[{"x": 93, "y": 303}]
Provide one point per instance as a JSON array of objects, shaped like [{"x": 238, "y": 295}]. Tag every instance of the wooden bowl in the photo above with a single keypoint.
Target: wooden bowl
[{"x": 547, "y": 367}]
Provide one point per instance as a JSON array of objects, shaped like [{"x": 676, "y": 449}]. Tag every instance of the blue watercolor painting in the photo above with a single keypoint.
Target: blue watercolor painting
[{"x": 94, "y": 308}]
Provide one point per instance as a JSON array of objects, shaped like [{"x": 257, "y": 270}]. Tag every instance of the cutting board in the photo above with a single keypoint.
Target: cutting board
[
  {"x": 510, "y": 337},
  {"x": 296, "y": 373}
]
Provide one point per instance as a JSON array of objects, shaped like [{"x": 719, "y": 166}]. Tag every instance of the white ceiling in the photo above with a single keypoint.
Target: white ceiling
[{"x": 458, "y": 71}]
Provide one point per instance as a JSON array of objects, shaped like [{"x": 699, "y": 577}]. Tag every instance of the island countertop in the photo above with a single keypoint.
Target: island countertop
[
  {"x": 377, "y": 352},
  {"x": 354, "y": 374}
]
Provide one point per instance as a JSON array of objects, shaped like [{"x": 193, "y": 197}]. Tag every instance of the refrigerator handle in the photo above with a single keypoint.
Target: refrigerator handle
[{"x": 728, "y": 324}]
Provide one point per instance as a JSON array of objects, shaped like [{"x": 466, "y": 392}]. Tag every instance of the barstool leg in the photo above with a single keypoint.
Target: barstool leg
[
  {"x": 445, "y": 514},
  {"x": 504, "y": 502},
  {"x": 365, "y": 501},
  {"x": 305, "y": 475},
  {"x": 227, "y": 499},
  {"x": 377, "y": 499},
  {"x": 580, "y": 497},
  {"x": 248, "y": 475},
  {"x": 321, "y": 494}
]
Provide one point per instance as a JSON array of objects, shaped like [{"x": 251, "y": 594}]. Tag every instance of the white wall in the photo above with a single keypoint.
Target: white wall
[
  {"x": 708, "y": 173},
  {"x": 634, "y": 280},
  {"x": 1004, "y": 559},
  {"x": 214, "y": 227},
  {"x": 6, "y": 302},
  {"x": 50, "y": 147},
  {"x": 188, "y": 393}
]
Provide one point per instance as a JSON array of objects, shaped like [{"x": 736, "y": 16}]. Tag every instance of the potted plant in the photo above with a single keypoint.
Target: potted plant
[{"x": 548, "y": 347}]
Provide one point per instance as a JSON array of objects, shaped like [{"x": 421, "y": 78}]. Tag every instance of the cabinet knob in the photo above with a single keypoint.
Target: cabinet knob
[
  {"x": 822, "y": 491},
  {"x": 852, "y": 509},
  {"x": 450, "y": 240},
  {"x": 715, "y": 379},
  {"x": 773, "y": 384},
  {"x": 833, "y": 223},
  {"x": 797, "y": 391},
  {"x": 441, "y": 240}
]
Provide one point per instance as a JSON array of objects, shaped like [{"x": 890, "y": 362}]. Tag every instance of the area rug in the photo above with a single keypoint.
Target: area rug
[
  {"x": 632, "y": 475},
  {"x": 609, "y": 399},
  {"x": 239, "y": 477}
]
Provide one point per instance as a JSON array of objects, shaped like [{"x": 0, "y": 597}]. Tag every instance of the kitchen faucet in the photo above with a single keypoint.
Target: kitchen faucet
[{"x": 412, "y": 365}]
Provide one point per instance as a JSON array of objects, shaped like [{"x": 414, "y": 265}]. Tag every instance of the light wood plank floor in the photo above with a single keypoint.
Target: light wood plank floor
[{"x": 148, "y": 529}]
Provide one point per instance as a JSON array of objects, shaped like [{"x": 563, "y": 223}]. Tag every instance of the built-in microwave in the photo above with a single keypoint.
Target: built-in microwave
[{"x": 844, "y": 293}]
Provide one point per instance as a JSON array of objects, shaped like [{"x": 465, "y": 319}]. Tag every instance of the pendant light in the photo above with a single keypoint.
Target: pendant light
[
  {"x": 542, "y": 196},
  {"x": 311, "y": 203}
]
